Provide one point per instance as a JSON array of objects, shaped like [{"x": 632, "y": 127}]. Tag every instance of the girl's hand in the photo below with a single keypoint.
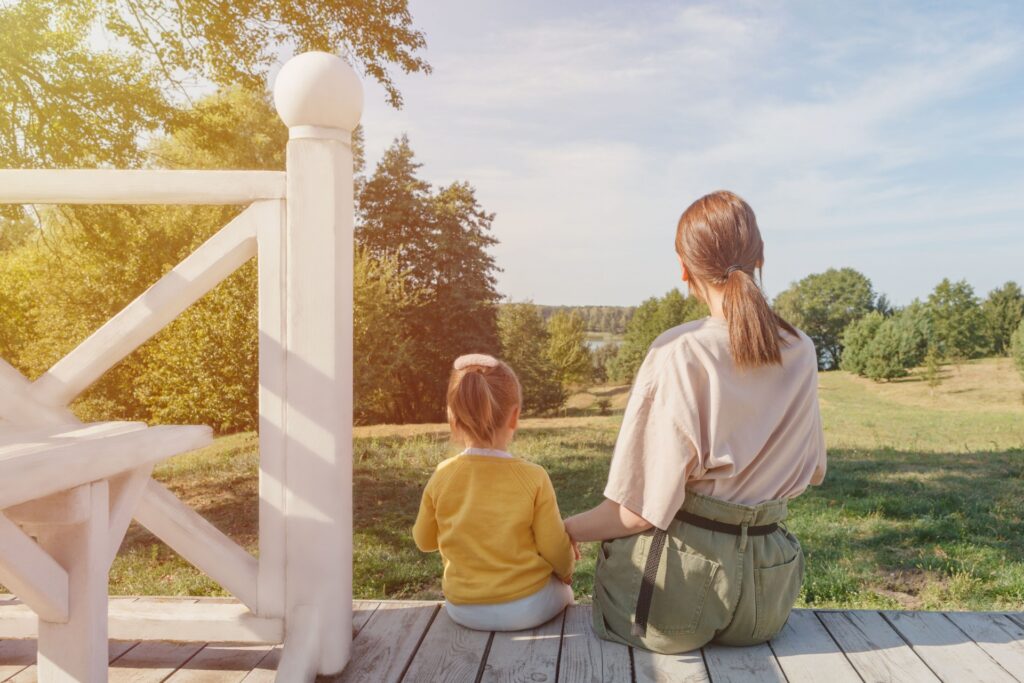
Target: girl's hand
[
  {"x": 575, "y": 549},
  {"x": 567, "y": 580}
]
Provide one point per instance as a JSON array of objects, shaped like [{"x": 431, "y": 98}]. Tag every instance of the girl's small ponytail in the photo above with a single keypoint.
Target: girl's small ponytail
[{"x": 482, "y": 394}]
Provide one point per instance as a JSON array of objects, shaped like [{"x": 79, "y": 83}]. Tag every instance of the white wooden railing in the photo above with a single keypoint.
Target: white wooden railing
[{"x": 298, "y": 225}]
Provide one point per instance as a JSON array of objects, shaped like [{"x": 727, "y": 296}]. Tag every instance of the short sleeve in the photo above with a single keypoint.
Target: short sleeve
[{"x": 655, "y": 454}]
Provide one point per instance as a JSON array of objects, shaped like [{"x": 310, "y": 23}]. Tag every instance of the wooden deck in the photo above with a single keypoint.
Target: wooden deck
[{"x": 416, "y": 641}]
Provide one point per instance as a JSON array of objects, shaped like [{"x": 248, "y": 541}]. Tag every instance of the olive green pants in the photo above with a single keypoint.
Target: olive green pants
[{"x": 710, "y": 586}]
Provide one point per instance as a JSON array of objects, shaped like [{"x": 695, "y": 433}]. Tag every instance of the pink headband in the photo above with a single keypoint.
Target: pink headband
[{"x": 463, "y": 362}]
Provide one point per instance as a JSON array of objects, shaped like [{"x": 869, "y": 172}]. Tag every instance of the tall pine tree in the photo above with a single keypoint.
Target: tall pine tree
[{"x": 439, "y": 239}]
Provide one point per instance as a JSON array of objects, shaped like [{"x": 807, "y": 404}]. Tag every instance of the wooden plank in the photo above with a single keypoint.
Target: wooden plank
[
  {"x": 754, "y": 664},
  {"x": 807, "y": 653},
  {"x": 152, "y": 662},
  {"x": 199, "y": 542},
  {"x": 652, "y": 667},
  {"x": 16, "y": 655},
  {"x": 30, "y": 572},
  {"x": 362, "y": 610},
  {"x": 449, "y": 653},
  {"x": 108, "y": 186},
  {"x": 214, "y": 260},
  {"x": 947, "y": 650},
  {"x": 999, "y": 636},
  {"x": 73, "y": 462},
  {"x": 525, "y": 655},
  {"x": 876, "y": 651},
  {"x": 266, "y": 670},
  {"x": 220, "y": 664},
  {"x": 387, "y": 642},
  {"x": 30, "y": 674},
  {"x": 585, "y": 657},
  {"x": 19, "y": 407}
]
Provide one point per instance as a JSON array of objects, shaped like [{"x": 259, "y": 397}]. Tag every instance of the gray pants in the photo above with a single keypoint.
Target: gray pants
[{"x": 710, "y": 586}]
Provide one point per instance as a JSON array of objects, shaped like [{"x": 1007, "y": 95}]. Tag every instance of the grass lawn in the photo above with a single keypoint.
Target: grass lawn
[{"x": 922, "y": 506}]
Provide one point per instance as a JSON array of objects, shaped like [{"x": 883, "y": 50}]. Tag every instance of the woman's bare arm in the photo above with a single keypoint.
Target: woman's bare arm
[{"x": 606, "y": 521}]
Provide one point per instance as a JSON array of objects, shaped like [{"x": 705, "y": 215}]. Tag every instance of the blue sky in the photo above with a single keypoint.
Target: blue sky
[{"x": 889, "y": 139}]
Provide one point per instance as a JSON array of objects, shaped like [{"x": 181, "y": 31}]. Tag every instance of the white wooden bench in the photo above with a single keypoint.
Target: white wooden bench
[{"x": 68, "y": 495}]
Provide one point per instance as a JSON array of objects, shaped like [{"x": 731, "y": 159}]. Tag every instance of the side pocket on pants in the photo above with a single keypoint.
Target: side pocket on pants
[{"x": 775, "y": 591}]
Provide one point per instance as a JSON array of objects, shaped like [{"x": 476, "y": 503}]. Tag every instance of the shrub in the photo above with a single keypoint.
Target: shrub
[
  {"x": 883, "y": 359},
  {"x": 1017, "y": 347},
  {"x": 856, "y": 341}
]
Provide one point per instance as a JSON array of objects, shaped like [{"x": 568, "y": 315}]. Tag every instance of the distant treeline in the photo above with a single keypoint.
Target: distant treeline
[{"x": 611, "y": 319}]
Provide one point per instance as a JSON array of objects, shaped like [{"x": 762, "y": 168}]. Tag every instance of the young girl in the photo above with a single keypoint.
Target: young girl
[
  {"x": 722, "y": 428},
  {"x": 507, "y": 558}
]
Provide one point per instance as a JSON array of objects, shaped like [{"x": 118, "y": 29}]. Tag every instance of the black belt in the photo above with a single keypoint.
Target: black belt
[{"x": 643, "y": 600}]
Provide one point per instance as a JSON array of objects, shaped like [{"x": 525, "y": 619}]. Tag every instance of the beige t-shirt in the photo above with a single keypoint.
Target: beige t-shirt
[{"x": 694, "y": 419}]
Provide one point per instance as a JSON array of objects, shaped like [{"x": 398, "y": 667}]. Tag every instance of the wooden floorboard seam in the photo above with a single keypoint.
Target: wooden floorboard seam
[
  {"x": 419, "y": 642},
  {"x": 910, "y": 645},
  {"x": 983, "y": 650},
  {"x": 483, "y": 660},
  {"x": 846, "y": 655}
]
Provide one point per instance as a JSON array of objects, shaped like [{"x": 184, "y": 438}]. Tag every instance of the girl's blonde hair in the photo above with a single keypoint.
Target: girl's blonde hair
[
  {"x": 719, "y": 242},
  {"x": 483, "y": 392}
]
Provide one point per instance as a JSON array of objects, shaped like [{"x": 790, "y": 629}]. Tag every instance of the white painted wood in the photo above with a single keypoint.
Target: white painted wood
[
  {"x": 585, "y": 657},
  {"x": 272, "y": 358},
  {"x": 66, "y": 507},
  {"x": 19, "y": 407},
  {"x": 198, "y": 541},
  {"x": 448, "y": 653},
  {"x": 318, "y": 340},
  {"x": 178, "y": 619},
  {"x": 152, "y": 310},
  {"x": 15, "y": 440},
  {"x": 753, "y": 664},
  {"x": 874, "y": 648},
  {"x": 652, "y": 667},
  {"x": 50, "y": 466},
  {"x": 31, "y": 674},
  {"x": 806, "y": 652},
  {"x": 946, "y": 648},
  {"x": 299, "y": 656},
  {"x": 387, "y": 642},
  {"x": 15, "y": 656},
  {"x": 1000, "y": 637},
  {"x": 125, "y": 492},
  {"x": 525, "y": 655},
  {"x": 103, "y": 186},
  {"x": 76, "y": 650},
  {"x": 31, "y": 573}
]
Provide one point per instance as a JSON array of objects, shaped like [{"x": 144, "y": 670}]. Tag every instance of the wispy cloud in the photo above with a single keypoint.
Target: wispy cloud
[{"x": 588, "y": 130}]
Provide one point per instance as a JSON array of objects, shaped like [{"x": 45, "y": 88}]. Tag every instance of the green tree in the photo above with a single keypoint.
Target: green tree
[
  {"x": 857, "y": 341},
  {"x": 1003, "y": 311},
  {"x": 823, "y": 305},
  {"x": 1017, "y": 348},
  {"x": 384, "y": 347},
  {"x": 883, "y": 361},
  {"x": 524, "y": 346},
  {"x": 932, "y": 368},
  {"x": 958, "y": 324},
  {"x": 650, "y": 319},
  {"x": 603, "y": 358},
  {"x": 439, "y": 239},
  {"x": 568, "y": 350},
  {"x": 913, "y": 325}
]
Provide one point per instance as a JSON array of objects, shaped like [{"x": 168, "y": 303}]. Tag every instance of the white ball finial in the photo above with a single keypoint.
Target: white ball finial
[{"x": 318, "y": 89}]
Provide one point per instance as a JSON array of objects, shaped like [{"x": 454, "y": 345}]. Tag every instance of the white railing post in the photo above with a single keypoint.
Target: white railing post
[{"x": 319, "y": 97}]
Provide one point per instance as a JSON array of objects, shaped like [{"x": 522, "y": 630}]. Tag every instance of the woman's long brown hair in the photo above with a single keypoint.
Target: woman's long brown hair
[{"x": 719, "y": 242}]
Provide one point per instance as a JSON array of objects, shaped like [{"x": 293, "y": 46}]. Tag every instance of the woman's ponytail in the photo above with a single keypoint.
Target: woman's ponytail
[{"x": 719, "y": 242}]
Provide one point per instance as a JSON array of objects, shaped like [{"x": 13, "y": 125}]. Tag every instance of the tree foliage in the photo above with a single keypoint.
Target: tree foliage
[
  {"x": 568, "y": 350},
  {"x": 1017, "y": 347},
  {"x": 958, "y": 324},
  {"x": 1003, "y": 311},
  {"x": 823, "y": 305},
  {"x": 524, "y": 346},
  {"x": 439, "y": 240},
  {"x": 857, "y": 341},
  {"x": 611, "y": 319}
]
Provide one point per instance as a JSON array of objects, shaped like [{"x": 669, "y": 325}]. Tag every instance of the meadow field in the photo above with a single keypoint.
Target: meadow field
[{"x": 922, "y": 506}]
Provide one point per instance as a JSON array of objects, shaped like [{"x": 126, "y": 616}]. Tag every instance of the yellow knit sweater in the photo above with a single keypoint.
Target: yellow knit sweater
[{"x": 496, "y": 522}]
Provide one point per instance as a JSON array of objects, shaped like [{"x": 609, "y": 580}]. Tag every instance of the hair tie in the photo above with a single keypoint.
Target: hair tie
[
  {"x": 463, "y": 362},
  {"x": 729, "y": 271}
]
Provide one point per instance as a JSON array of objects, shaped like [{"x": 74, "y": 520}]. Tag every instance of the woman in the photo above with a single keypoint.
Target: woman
[{"x": 721, "y": 429}]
